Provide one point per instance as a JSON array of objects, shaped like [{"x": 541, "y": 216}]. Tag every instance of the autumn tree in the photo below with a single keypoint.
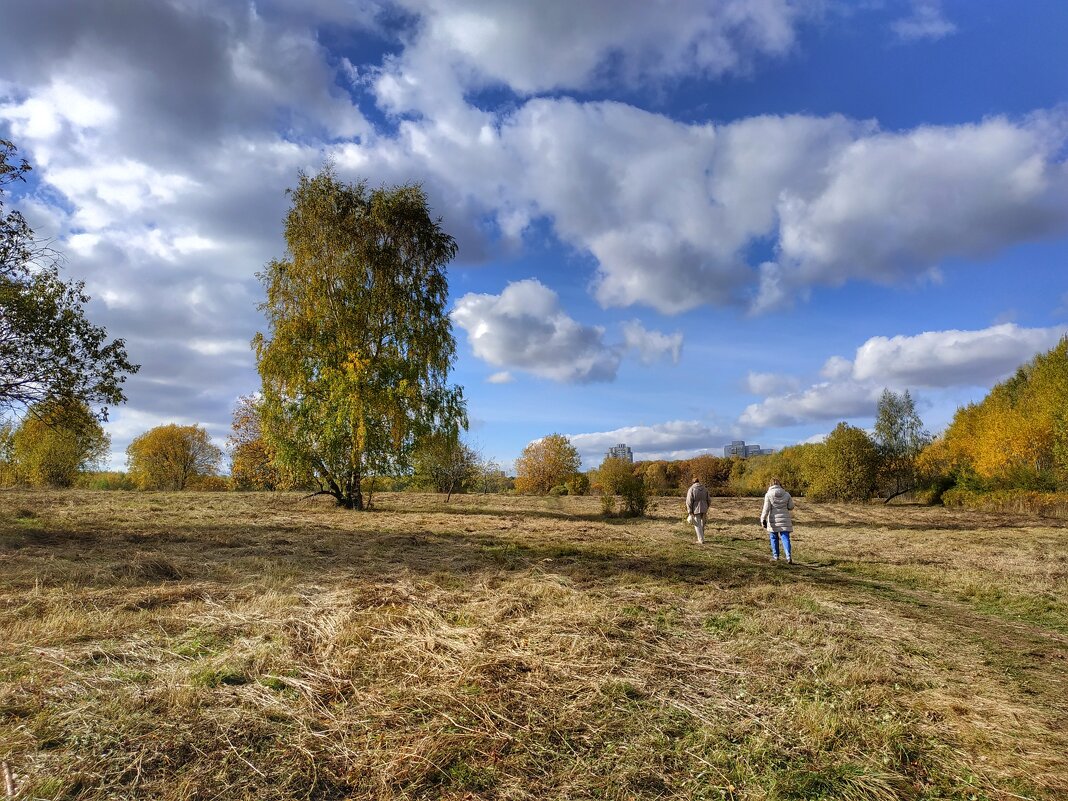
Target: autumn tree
[
  {"x": 612, "y": 475},
  {"x": 443, "y": 463},
  {"x": 843, "y": 468},
  {"x": 791, "y": 465},
  {"x": 660, "y": 477},
  {"x": 714, "y": 472},
  {"x": 168, "y": 457},
  {"x": 51, "y": 356},
  {"x": 55, "y": 442},
  {"x": 619, "y": 477},
  {"x": 359, "y": 344},
  {"x": 1016, "y": 437},
  {"x": 489, "y": 477},
  {"x": 900, "y": 438},
  {"x": 252, "y": 459},
  {"x": 546, "y": 463}
]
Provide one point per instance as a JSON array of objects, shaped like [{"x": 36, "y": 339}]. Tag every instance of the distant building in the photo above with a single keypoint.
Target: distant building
[
  {"x": 739, "y": 448},
  {"x": 620, "y": 451}
]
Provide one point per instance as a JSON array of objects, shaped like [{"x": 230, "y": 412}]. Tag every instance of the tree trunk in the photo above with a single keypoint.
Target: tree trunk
[{"x": 899, "y": 492}]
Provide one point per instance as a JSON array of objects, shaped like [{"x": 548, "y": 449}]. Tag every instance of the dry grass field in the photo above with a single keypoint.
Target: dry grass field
[{"x": 233, "y": 646}]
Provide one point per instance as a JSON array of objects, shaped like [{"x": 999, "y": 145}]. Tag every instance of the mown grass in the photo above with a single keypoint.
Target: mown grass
[{"x": 198, "y": 646}]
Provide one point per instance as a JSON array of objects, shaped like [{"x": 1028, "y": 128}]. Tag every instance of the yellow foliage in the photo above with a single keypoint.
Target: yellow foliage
[
  {"x": 1016, "y": 434},
  {"x": 168, "y": 457},
  {"x": 546, "y": 463}
]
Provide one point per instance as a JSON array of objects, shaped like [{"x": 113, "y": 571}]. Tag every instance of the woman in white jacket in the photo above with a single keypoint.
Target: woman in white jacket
[{"x": 775, "y": 516}]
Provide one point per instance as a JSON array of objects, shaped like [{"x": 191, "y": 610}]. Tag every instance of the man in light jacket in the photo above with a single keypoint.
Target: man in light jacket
[
  {"x": 697, "y": 502},
  {"x": 775, "y": 516}
]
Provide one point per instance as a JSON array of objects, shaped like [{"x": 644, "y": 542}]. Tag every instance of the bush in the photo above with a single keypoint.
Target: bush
[
  {"x": 558, "y": 490},
  {"x": 608, "y": 504},
  {"x": 104, "y": 480},
  {"x": 208, "y": 484},
  {"x": 1022, "y": 502},
  {"x": 635, "y": 497},
  {"x": 578, "y": 484}
]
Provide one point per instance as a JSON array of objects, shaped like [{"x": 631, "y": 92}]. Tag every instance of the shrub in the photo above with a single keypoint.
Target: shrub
[
  {"x": 608, "y": 504},
  {"x": 558, "y": 490},
  {"x": 104, "y": 480},
  {"x": 208, "y": 484},
  {"x": 1022, "y": 502},
  {"x": 635, "y": 496},
  {"x": 578, "y": 484}
]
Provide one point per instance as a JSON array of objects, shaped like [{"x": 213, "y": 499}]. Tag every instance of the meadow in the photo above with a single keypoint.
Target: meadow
[{"x": 265, "y": 646}]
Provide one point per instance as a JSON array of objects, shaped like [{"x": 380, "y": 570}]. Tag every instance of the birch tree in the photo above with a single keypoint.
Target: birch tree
[{"x": 359, "y": 344}]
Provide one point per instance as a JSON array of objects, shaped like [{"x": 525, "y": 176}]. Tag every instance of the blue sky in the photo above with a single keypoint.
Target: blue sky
[{"x": 680, "y": 223}]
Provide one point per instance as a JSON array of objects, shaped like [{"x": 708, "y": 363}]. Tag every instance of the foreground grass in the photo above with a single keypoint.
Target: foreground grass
[{"x": 185, "y": 646}]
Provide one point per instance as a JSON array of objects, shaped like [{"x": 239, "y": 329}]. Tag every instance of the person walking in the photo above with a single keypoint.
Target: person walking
[
  {"x": 697, "y": 503},
  {"x": 775, "y": 517}
]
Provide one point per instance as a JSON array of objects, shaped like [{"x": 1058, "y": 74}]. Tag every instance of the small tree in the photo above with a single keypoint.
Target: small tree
[
  {"x": 545, "y": 463},
  {"x": 443, "y": 463},
  {"x": 578, "y": 484},
  {"x": 490, "y": 477},
  {"x": 252, "y": 459},
  {"x": 57, "y": 441},
  {"x": 844, "y": 467},
  {"x": 635, "y": 496},
  {"x": 612, "y": 475},
  {"x": 359, "y": 343},
  {"x": 620, "y": 477},
  {"x": 900, "y": 437},
  {"x": 168, "y": 457}
]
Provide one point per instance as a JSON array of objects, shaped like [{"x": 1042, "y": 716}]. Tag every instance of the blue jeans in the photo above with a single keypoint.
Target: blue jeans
[{"x": 785, "y": 537}]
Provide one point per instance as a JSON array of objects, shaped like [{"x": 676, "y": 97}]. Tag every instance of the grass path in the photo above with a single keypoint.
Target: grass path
[{"x": 255, "y": 646}]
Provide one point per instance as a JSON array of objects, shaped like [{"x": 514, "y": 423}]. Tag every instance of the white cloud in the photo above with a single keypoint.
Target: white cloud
[
  {"x": 934, "y": 359},
  {"x": 652, "y": 346},
  {"x": 769, "y": 383},
  {"x": 525, "y": 328},
  {"x": 836, "y": 367},
  {"x": 925, "y": 22},
  {"x": 951, "y": 358},
  {"x": 560, "y": 44},
  {"x": 823, "y": 401},
  {"x": 669, "y": 210},
  {"x": 677, "y": 439},
  {"x": 892, "y": 206},
  {"x": 503, "y": 377}
]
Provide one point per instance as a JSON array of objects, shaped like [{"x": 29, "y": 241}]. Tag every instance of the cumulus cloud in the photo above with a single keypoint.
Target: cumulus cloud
[
  {"x": 823, "y": 401},
  {"x": 525, "y": 328},
  {"x": 951, "y": 358},
  {"x": 503, "y": 377},
  {"x": 927, "y": 21},
  {"x": 836, "y": 367},
  {"x": 559, "y": 44},
  {"x": 677, "y": 439},
  {"x": 933, "y": 359},
  {"x": 669, "y": 210},
  {"x": 893, "y": 205},
  {"x": 769, "y": 383},
  {"x": 652, "y": 346}
]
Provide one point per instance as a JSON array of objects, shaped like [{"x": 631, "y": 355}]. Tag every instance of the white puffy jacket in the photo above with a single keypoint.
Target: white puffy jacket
[{"x": 776, "y": 513}]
